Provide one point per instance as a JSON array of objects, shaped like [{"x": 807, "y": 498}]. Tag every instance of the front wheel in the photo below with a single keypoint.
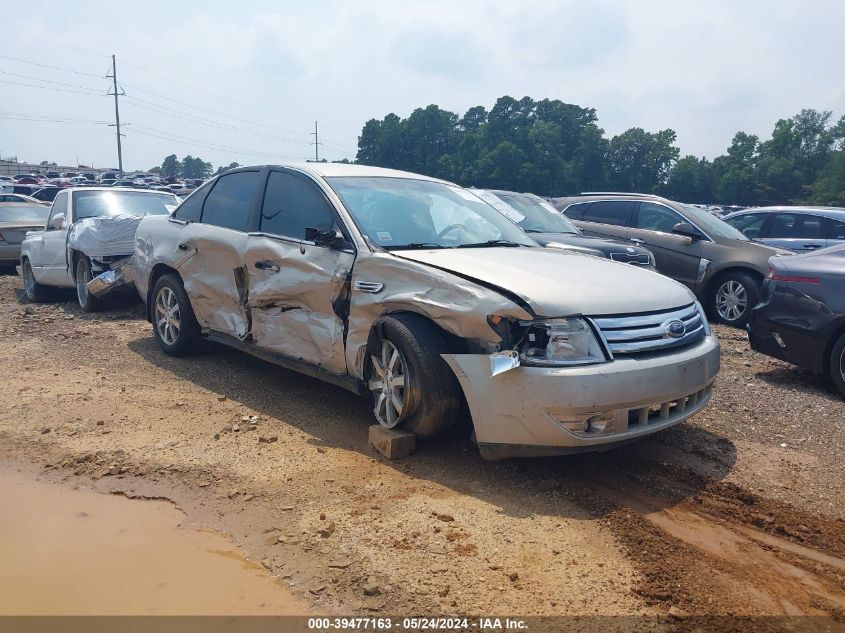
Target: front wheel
[
  {"x": 837, "y": 364},
  {"x": 83, "y": 275},
  {"x": 411, "y": 386},
  {"x": 733, "y": 297},
  {"x": 174, "y": 325}
]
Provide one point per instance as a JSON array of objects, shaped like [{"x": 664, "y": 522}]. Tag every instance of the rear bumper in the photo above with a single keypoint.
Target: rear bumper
[
  {"x": 798, "y": 346},
  {"x": 10, "y": 254},
  {"x": 553, "y": 411}
]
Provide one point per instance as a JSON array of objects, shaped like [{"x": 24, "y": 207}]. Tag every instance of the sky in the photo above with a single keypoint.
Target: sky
[{"x": 245, "y": 81}]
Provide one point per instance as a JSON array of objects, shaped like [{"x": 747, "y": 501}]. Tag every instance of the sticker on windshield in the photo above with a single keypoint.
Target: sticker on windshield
[
  {"x": 384, "y": 236},
  {"x": 466, "y": 195}
]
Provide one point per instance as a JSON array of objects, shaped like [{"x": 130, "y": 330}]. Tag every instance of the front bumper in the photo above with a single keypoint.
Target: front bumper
[{"x": 530, "y": 411}]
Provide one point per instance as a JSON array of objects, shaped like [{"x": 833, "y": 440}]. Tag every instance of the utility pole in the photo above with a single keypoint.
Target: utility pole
[
  {"x": 113, "y": 76},
  {"x": 316, "y": 144}
]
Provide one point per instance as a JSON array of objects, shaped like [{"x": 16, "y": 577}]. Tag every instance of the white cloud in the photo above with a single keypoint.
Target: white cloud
[{"x": 704, "y": 69}]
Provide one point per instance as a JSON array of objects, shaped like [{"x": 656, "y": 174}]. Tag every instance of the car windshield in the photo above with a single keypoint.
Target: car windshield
[
  {"x": 23, "y": 212},
  {"x": 98, "y": 204},
  {"x": 397, "y": 213},
  {"x": 712, "y": 225},
  {"x": 540, "y": 216}
]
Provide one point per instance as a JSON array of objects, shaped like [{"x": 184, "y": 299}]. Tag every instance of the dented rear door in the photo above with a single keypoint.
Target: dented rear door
[{"x": 298, "y": 296}]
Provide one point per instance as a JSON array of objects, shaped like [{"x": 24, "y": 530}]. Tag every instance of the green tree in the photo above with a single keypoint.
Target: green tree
[
  {"x": 641, "y": 161},
  {"x": 231, "y": 165},
  {"x": 170, "y": 166}
]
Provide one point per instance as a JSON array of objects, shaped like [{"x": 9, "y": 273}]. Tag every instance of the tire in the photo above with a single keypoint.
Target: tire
[
  {"x": 837, "y": 364},
  {"x": 430, "y": 396},
  {"x": 81, "y": 276},
  {"x": 732, "y": 297},
  {"x": 174, "y": 325},
  {"x": 34, "y": 291}
]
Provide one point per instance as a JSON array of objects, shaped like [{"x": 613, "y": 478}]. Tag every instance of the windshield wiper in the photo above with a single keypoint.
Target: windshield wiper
[
  {"x": 490, "y": 243},
  {"x": 414, "y": 246}
]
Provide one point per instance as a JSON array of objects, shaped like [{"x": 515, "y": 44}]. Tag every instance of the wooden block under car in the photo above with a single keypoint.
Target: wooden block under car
[{"x": 391, "y": 443}]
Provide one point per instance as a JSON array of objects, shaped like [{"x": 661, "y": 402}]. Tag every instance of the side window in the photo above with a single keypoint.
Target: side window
[
  {"x": 835, "y": 230},
  {"x": 797, "y": 225},
  {"x": 576, "y": 211},
  {"x": 292, "y": 204},
  {"x": 59, "y": 206},
  {"x": 656, "y": 217},
  {"x": 610, "y": 212},
  {"x": 750, "y": 224},
  {"x": 191, "y": 208},
  {"x": 229, "y": 204}
]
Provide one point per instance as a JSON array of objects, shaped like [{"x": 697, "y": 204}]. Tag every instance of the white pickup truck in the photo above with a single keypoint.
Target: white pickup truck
[{"x": 90, "y": 231}]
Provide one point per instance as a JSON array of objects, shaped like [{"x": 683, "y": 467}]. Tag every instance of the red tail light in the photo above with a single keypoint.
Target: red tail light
[{"x": 791, "y": 278}]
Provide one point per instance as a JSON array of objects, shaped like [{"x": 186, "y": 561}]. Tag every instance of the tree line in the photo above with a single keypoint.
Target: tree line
[
  {"x": 188, "y": 167},
  {"x": 553, "y": 148}
]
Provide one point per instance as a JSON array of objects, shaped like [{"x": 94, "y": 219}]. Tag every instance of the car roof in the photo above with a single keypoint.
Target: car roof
[
  {"x": 344, "y": 170},
  {"x": 112, "y": 189},
  {"x": 830, "y": 212}
]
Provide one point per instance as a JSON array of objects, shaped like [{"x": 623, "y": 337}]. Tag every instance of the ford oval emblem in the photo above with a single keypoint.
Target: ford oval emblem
[{"x": 675, "y": 328}]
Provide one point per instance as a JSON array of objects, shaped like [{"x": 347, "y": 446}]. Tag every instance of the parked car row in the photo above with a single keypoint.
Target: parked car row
[{"x": 431, "y": 299}]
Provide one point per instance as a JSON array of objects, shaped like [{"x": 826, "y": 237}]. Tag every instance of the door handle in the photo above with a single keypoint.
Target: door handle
[
  {"x": 812, "y": 245},
  {"x": 636, "y": 240},
  {"x": 267, "y": 265}
]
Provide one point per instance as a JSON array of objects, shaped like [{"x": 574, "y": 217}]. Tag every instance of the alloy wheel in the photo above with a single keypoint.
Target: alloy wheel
[
  {"x": 387, "y": 385},
  {"x": 168, "y": 320},
  {"x": 731, "y": 300},
  {"x": 83, "y": 276}
]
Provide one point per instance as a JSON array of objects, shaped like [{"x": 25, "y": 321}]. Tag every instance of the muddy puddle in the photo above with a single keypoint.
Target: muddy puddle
[{"x": 66, "y": 551}]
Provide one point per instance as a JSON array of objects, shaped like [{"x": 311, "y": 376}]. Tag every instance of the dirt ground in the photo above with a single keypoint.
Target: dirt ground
[{"x": 740, "y": 511}]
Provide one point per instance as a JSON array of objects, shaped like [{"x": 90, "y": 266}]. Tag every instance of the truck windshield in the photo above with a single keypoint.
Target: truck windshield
[
  {"x": 98, "y": 204},
  {"x": 23, "y": 212},
  {"x": 397, "y": 213}
]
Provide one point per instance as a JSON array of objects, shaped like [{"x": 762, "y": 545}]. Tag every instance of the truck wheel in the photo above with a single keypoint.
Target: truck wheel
[
  {"x": 174, "y": 325},
  {"x": 733, "y": 297},
  {"x": 82, "y": 275},
  {"x": 35, "y": 292},
  {"x": 412, "y": 387},
  {"x": 837, "y": 364}
]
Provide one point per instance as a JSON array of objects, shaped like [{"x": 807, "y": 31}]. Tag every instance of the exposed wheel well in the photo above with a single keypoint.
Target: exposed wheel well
[
  {"x": 159, "y": 270},
  {"x": 711, "y": 285}
]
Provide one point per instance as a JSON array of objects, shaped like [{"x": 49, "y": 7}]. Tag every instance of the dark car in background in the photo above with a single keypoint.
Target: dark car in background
[
  {"x": 718, "y": 263},
  {"x": 801, "y": 315},
  {"x": 46, "y": 194},
  {"x": 795, "y": 228},
  {"x": 550, "y": 228}
]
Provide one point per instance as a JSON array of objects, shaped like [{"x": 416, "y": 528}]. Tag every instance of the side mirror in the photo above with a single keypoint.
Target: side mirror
[
  {"x": 57, "y": 221},
  {"x": 328, "y": 239},
  {"x": 686, "y": 229}
]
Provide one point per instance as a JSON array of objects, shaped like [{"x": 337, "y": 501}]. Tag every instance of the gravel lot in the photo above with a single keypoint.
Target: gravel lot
[{"x": 739, "y": 511}]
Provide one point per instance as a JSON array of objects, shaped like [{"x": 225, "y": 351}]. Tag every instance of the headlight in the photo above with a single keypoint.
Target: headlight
[
  {"x": 569, "y": 341},
  {"x": 703, "y": 318}
]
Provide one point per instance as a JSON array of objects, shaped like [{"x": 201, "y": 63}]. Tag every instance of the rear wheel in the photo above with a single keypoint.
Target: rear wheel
[
  {"x": 411, "y": 386},
  {"x": 174, "y": 325},
  {"x": 35, "y": 292},
  {"x": 82, "y": 275},
  {"x": 733, "y": 297},
  {"x": 837, "y": 364}
]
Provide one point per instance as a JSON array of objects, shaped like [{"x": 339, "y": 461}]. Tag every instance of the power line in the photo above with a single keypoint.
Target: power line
[
  {"x": 50, "y": 120},
  {"x": 46, "y": 81},
  {"x": 203, "y": 121},
  {"x": 138, "y": 129},
  {"x": 46, "y": 41},
  {"x": 66, "y": 70},
  {"x": 19, "y": 83}
]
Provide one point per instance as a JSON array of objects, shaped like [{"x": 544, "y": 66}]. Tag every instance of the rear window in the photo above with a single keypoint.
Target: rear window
[
  {"x": 98, "y": 204},
  {"x": 23, "y": 212},
  {"x": 614, "y": 212}
]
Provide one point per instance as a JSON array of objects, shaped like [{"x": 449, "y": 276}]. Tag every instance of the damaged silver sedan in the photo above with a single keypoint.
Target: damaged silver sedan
[{"x": 416, "y": 293}]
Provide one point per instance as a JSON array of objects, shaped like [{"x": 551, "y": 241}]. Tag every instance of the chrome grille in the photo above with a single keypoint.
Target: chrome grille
[
  {"x": 639, "y": 333},
  {"x": 627, "y": 258}
]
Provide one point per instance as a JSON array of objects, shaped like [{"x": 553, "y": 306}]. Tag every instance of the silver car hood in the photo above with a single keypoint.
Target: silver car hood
[{"x": 559, "y": 283}]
